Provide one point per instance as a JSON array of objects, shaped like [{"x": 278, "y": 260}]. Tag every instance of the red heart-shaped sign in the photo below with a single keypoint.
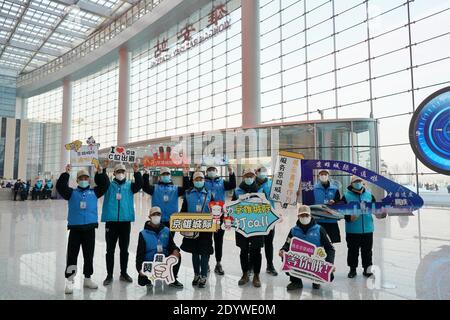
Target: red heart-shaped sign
[{"x": 120, "y": 150}]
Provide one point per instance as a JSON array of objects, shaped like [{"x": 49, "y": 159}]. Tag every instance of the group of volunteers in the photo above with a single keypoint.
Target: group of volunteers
[
  {"x": 197, "y": 191},
  {"x": 42, "y": 189}
]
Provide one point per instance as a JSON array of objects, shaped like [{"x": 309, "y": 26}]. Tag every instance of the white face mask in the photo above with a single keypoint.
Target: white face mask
[
  {"x": 155, "y": 220},
  {"x": 305, "y": 220},
  {"x": 323, "y": 178},
  {"x": 120, "y": 176}
]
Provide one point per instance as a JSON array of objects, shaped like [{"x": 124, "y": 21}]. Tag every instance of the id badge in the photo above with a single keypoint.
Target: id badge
[
  {"x": 166, "y": 198},
  {"x": 118, "y": 196},
  {"x": 159, "y": 247},
  {"x": 82, "y": 204},
  {"x": 199, "y": 207}
]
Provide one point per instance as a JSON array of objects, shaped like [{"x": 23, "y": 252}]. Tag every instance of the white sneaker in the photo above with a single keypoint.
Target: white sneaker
[
  {"x": 88, "y": 283},
  {"x": 69, "y": 287}
]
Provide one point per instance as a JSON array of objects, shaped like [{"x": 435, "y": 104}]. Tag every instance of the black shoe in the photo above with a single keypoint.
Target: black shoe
[
  {"x": 218, "y": 269},
  {"x": 202, "y": 282},
  {"x": 294, "y": 286},
  {"x": 196, "y": 279},
  {"x": 367, "y": 274},
  {"x": 316, "y": 286},
  {"x": 177, "y": 284},
  {"x": 271, "y": 270},
  {"x": 352, "y": 273},
  {"x": 125, "y": 277},
  {"x": 108, "y": 280}
]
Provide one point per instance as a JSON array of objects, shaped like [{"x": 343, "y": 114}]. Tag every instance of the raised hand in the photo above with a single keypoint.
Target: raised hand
[{"x": 68, "y": 168}]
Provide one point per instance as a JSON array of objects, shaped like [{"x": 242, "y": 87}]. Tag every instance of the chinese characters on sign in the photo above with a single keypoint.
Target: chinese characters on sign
[
  {"x": 192, "y": 222},
  {"x": 161, "y": 268},
  {"x": 122, "y": 155},
  {"x": 82, "y": 156},
  {"x": 186, "y": 41},
  {"x": 252, "y": 215},
  {"x": 305, "y": 260},
  {"x": 286, "y": 179}
]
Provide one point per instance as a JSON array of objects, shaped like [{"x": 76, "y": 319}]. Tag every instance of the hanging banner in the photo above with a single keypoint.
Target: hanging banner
[
  {"x": 83, "y": 155},
  {"x": 164, "y": 156},
  {"x": 192, "y": 222},
  {"x": 251, "y": 215},
  {"x": 305, "y": 260},
  {"x": 286, "y": 178},
  {"x": 220, "y": 160},
  {"x": 398, "y": 201},
  {"x": 120, "y": 154},
  {"x": 161, "y": 268}
]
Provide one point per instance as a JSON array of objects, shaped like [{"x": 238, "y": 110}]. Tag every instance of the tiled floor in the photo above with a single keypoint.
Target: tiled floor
[{"x": 412, "y": 260}]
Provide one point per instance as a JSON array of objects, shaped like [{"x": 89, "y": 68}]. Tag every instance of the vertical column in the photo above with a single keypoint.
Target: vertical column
[
  {"x": 10, "y": 140},
  {"x": 66, "y": 126},
  {"x": 123, "y": 114},
  {"x": 23, "y": 149},
  {"x": 251, "y": 79}
]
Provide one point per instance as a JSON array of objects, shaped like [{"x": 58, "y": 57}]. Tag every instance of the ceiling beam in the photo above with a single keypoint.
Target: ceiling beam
[
  {"x": 88, "y": 6},
  {"x": 15, "y": 25}
]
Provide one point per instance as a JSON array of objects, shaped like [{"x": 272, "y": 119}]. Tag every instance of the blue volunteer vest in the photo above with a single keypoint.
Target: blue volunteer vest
[
  {"x": 364, "y": 223},
  {"x": 167, "y": 207},
  {"x": 118, "y": 210},
  {"x": 240, "y": 191},
  {"x": 195, "y": 197},
  {"x": 38, "y": 185},
  {"x": 49, "y": 185},
  {"x": 322, "y": 196},
  {"x": 151, "y": 239},
  {"x": 216, "y": 187},
  {"x": 266, "y": 186},
  {"x": 312, "y": 235},
  {"x": 78, "y": 216}
]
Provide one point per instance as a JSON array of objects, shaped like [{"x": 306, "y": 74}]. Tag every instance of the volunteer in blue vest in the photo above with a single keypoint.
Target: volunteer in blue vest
[
  {"x": 251, "y": 246},
  {"x": 48, "y": 187},
  {"x": 359, "y": 228},
  {"x": 82, "y": 221},
  {"x": 156, "y": 238},
  {"x": 37, "y": 190},
  {"x": 218, "y": 186},
  {"x": 306, "y": 229},
  {"x": 265, "y": 184},
  {"x": 118, "y": 213},
  {"x": 327, "y": 192},
  {"x": 196, "y": 200},
  {"x": 165, "y": 194}
]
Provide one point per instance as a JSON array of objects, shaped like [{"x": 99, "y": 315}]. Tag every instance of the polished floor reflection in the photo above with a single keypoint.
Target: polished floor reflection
[{"x": 412, "y": 257}]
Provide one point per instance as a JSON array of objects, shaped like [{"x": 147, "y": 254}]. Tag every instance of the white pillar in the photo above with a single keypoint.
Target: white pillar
[
  {"x": 66, "y": 126},
  {"x": 123, "y": 121},
  {"x": 251, "y": 80}
]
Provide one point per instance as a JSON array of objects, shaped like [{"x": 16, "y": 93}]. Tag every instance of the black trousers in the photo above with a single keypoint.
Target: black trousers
[
  {"x": 268, "y": 247},
  {"x": 251, "y": 257},
  {"x": 218, "y": 244},
  {"x": 143, "y": 280},
  {"x": 355, "y": 242},
  {"x": 35, "y": 195},
  {"x": 15, "y": 194},
  {"x": 85, "y": 239},
  {"x": 117, "y": 231}
]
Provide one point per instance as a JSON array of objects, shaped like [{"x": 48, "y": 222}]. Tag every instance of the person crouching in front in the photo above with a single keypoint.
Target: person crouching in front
[{"x": 156, "y": 238}]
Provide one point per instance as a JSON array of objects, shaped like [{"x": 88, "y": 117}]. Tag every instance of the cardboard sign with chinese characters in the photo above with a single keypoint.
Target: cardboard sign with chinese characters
[
  {"x": 192, "y": 222},
  {"x": 85, "y": 156},
  {"x": 305, "y": 260},
  {"x": 252, "y": 215},
  {"x": 122, "y": 155},
  {"x": 161, "y": 268},
  {"x": 286, "y": 178}
]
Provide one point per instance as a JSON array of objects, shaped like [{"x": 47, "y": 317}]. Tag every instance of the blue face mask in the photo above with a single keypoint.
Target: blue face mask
[
  {"x": 83, "y": 184},
  {"x": 212, "y": 174},
  {"x": 357, "y": 185},
  {"x": 166, "y": 179},
  {"x": 199, "y": 184},
  {"x": 248, "y": 181}
]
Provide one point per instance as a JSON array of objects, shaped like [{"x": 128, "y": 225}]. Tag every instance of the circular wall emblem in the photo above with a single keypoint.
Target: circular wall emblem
[{"x": 429, "y": 131}]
